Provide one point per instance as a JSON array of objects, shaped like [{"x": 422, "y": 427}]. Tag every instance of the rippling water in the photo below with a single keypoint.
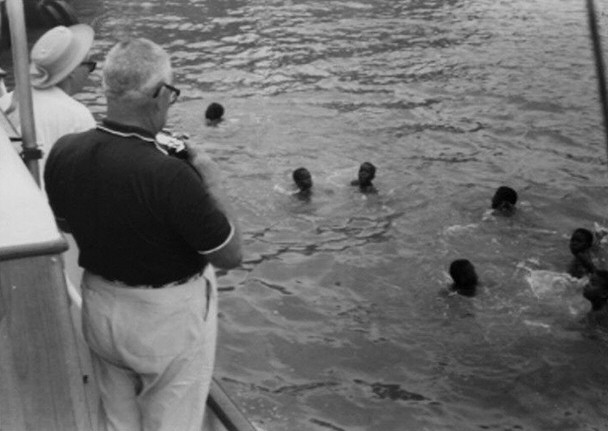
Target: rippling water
[{"x": 335, "y": 320}]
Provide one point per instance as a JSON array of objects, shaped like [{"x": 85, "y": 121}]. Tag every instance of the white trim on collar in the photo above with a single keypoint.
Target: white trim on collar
[
  {"x": 132, "y": 135},
  {"x": 125, "y": 134}
]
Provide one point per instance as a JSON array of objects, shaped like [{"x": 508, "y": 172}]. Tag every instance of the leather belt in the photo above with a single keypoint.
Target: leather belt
[{"x": 158, "y": 286}]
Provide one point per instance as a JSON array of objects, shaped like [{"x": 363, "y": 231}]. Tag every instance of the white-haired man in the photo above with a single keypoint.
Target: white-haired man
[{"x": 150, "y": 227}]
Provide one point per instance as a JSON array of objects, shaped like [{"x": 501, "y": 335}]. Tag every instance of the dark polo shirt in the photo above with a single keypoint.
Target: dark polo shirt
[{"x": 138, "y": 215}]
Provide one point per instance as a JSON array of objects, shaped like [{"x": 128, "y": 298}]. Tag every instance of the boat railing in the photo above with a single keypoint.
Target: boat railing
[
  {"x": 23, "y": 92},
  {"x": 41, "y": 383}
]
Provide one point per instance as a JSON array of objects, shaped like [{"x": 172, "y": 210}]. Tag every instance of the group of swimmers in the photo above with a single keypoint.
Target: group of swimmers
[
  {"x": 462, "y": 271},
  {"x": 367, "y": 172},
  {"x": 464, "y": 276},
  {"x": 584, "y": 246}
]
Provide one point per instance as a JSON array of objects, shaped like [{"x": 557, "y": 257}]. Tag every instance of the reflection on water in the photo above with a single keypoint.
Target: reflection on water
[{"x": 335, "y": 321}]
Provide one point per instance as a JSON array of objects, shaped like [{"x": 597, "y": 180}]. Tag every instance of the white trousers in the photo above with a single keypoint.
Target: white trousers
[{"x": 153, "y": 351}]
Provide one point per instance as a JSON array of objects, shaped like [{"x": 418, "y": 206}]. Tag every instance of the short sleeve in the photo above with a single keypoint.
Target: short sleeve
[{"x": 53, "y": 183}]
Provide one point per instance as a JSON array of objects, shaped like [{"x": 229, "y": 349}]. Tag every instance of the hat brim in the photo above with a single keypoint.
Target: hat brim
[{"x": 81, "y": 44}]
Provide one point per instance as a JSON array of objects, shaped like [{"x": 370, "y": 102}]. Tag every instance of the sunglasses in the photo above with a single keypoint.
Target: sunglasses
[
  {"x": 91, "y": 65},
  {"x": 175, "y": 92}
]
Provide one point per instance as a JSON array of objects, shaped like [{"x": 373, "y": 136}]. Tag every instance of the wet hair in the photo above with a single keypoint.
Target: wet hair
[
  {"x": 214, "y": 112},
  {"x": 465, "y": 279},
  {"x": 596, "y": 291},
  {"x": 504, "y": 197},
  {"x": 133, "y": 68},
  {"x": 302, "y": 174},
  {"x": 368, "y": 166},
  {"x": 582, "y": 235}
]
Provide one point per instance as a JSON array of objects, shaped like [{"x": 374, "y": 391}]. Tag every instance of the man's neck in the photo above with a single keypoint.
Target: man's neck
[
  {"x": 133, "y": 124},
  {"x": 66, "y": 87},
  {"x": 125, "y": 129},
  {"x": 132, "y": 119}
]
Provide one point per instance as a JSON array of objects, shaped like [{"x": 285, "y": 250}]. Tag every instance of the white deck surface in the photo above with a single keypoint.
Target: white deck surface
[{"x": 25, "y": 216}]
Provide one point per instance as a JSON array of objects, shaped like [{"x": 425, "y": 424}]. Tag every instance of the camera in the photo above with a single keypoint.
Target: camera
[{"x": 172, "y": 144}]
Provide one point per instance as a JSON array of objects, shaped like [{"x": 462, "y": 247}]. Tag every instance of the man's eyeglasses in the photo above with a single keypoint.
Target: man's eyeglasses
[
  {"x": 175, "y": 92},
  {"x": 91, "y": 65}
]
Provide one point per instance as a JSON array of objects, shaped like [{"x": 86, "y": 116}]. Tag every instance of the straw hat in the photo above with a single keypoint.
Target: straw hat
[{"x": 58, "y": 52}]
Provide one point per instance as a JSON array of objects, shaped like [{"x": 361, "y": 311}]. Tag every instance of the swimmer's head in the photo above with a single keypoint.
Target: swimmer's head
[
  {"x": 214, "y": 112},
  {"x": 465, "y": 279},
  {"x": 302, "y": 178},
  {"x": 581, "y": 240},
  {"x": 596, "y": 291},
  {"x": 367, "y": 172},
  {"x": 504, "y": 200}
]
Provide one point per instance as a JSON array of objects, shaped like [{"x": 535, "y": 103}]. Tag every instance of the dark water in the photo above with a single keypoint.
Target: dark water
[{"x": 335, "y": 320}]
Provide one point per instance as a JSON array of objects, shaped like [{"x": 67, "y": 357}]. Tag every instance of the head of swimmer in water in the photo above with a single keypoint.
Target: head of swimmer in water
[
  {"x": 504, "y": 200},
  {"x": 580, "y": 241},
  {"x": 303, "y": 179},
  {"x": 596, "y": 290},
  {"x": 465, "y": 278},
  {"x": 214, "y": 113},
  {"x": 367, "y": 172}
]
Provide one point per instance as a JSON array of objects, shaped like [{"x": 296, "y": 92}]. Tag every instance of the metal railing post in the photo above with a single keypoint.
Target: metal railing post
[{"x": 23, "y": 91}]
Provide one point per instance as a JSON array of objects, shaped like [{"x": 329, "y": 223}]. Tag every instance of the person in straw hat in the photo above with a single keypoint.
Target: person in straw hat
[{"x": 59, "y": 68}]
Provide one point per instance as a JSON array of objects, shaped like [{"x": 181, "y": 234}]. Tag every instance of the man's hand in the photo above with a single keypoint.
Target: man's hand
[{"x": 206, "y": 167}]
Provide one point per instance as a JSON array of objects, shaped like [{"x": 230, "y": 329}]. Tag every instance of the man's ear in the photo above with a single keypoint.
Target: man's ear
[{"x": 159, "y": 103}]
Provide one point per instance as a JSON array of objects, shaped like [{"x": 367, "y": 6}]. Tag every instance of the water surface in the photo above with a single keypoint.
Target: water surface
[{"x": 336, "y": 320}]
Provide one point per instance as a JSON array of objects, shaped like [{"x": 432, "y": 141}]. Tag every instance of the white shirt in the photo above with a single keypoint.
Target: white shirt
[{"x": 55, "y": 114}]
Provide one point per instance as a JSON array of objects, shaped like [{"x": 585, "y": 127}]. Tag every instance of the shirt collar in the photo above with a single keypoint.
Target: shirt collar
[{"x": 126, "y": 130}]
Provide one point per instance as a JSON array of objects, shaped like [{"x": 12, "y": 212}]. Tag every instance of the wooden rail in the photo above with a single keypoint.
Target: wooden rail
[{"x": 41, "y": 385}]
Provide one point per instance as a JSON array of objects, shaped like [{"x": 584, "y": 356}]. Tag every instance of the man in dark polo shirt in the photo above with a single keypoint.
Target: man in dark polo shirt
[{"x": 149, "y": 227}]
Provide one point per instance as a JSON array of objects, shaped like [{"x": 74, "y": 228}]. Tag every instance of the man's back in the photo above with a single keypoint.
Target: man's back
[{"x": 138, "y": 215}]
